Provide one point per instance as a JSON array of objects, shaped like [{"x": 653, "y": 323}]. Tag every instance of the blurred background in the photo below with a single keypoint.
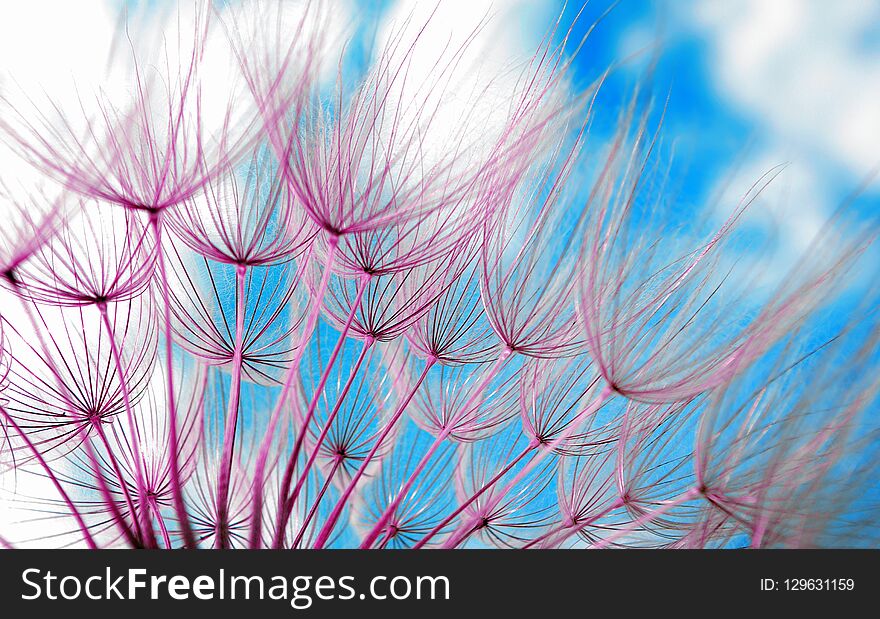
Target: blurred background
[
  {"x": 742, "y": 86},
  {"x": 750, "y": 84}
]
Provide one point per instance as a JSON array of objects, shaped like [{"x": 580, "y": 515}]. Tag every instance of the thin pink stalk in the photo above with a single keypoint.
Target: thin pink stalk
[
  {"x": 87, "y": 536},
  {"x": 464, "y": 505},
  {"x": 327, "y": 530},
  {"x": 647, "y": 517},
  {"x": 377, "y": 530},
  {"x": 222, "y": 528},
  {"x": 106, "y": 495},
  {"x": 164, "y": 530},
  {"x": 760, "y": 530},
  {"x": 189, "y": 539},
  {"x": 442, "y": 436},
  {"x": 467, "y": 527},
  {"x": 300, "y": 482},
  {"x": 266, "y": 446},
  {"x": 570, "y": 527},
  {"x": 114, "y": 464},
  {"x": 314, "y": 509},
  {"x": 565, "y": 526},
  {"x": 143, "y": 514},
  {"x": 283, "y": 513}
]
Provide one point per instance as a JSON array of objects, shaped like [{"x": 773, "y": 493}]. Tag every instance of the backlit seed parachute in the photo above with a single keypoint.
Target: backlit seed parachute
[{"x": 273, "y": 282}]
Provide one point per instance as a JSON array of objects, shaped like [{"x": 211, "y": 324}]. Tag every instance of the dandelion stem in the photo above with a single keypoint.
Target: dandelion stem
[
  {"x": 570, "y": 528},
  {"x": 283, "y": 501},
  {"x": 263, "y": 455},
  {"x": 759, "y": 532},
  {"x": 325, "y": 532},
  {"x": 300, "y": 482},
  {"x": 222, "y": 528},
  {"x": 87, "y": 536},
  {"x": 389, "y": 511},
  {"x": 314, "y": 509},
  {"x": 554, "y": 531},
  {"x": 143, "y": 515},
  {"x": 189, "y": 539},
  {"x": 647, "y": 517},
  {"x": 464, "y": 505},
  {"x": 82, "y": 434},
  {"x": 467, "y": 527},
  {"x": 123, "y": 487},
  {"x": 154, "y": 506},
  {"x": 476, "y": 393},
  {"x": 104, "y": 490}
]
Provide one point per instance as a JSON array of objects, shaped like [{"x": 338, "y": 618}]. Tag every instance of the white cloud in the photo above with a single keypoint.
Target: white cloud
[
  {"x": 803, "y": 67},
  {"x": 47, "y": 42},
  {"x": 466, "y": 65},
  {"x": 806, "y": 75}
]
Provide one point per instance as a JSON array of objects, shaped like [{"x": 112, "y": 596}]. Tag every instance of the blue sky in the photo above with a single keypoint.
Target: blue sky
[
  {"x": 795, "y": 81},
  {"x": 751, "y": 85},
  {"x": 751, "y": 82}
]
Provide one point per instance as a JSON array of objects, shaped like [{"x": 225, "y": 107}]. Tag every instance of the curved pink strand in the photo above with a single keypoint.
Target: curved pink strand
[
  {"x": 331, "y": 521},
  {"x": 311, "y": 320},
  {"x": 173, "y": 442},
  {"x": 378, "y": 528},
  {"x": 87, "y": 536},
  {"x": 283, "y": 498},
  {"x": 231, "y": 422}
]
